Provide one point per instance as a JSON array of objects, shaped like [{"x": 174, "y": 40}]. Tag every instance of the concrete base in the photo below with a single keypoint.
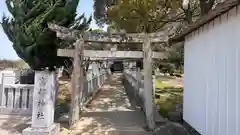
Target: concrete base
[{"x": 52, "y": 130}]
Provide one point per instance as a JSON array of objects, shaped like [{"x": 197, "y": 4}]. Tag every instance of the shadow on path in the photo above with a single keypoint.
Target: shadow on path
[
  {"x": 111, "y": 113},
  {"x": 13, "y": 124}
]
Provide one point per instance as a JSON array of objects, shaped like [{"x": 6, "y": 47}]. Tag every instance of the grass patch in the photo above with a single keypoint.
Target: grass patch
[
  {"x": 168, "y": 103},
  {"x": 165, "y": 107},
  {"x": 160, "y": 85},
  {"x": 168, "y": 97},
  {"x": 170, "y": 89},
  {"x": 64, "y": 99}
]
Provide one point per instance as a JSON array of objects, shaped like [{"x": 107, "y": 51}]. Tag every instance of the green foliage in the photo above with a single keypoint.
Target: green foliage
[
  {"x": 206, "y": 5},
  {"x": 160, "y": 85},
  {"x": 138, "y": 15},
  {"x": 174, "y": 62},
  {"x": 27, "y": 29},
  {"x": 143, "y": 15},
  {"x": 168, "y": 100},
  {"x": 100, "y": 11},
  {"x": 148, "y": 16},
  {"x": 165, "y": 66},
  {"x": 96, "y": 31},
  {"x": 176, "y": 56},
  {"x": 113, "y": 27}
]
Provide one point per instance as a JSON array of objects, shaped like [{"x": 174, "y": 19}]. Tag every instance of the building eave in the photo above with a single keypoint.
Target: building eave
[{"x": 219, "y": 10}]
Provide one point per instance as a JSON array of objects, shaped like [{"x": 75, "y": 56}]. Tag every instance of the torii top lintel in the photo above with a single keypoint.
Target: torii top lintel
[{"x": 108, "y": 38}]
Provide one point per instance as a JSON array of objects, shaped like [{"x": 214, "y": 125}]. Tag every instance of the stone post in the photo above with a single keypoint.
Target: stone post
[
  {"x": 43, "y": 105},
  {"x": 148, "y": 85}
]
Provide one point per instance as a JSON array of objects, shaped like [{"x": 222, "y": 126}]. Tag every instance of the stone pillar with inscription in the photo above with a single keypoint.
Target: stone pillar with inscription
[{"x": 43, "y": 105}]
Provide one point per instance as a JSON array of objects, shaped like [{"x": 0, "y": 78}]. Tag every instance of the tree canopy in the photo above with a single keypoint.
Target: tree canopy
[
  {"x": 135, "y": 15},
  {"x": 125, "y": 12},
  {"x": 169, "y": 16},
  {"x": 28, "y": 30}
]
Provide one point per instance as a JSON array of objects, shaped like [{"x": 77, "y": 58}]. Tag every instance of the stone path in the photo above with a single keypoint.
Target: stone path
[
  {"x": 111, "y": 113},
  {"x": 170, "y": 128},
  {"x": 13, "y": 125}
]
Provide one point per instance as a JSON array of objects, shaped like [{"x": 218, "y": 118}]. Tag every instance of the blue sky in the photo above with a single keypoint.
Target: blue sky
[{"x": 7, "y": 52}]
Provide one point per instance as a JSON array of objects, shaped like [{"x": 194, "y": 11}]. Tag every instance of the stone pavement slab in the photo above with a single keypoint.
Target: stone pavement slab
[
  {"x": 13, "y": 125},
  {"x": 111, "y": 113},
  {"x": 170, "y": 128}
]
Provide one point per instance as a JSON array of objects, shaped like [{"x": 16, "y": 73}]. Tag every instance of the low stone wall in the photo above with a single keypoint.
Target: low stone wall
[
  {"x": 92, "y": 86},
  {"x": 16, "y": 99},
  {"x": 134, "y": 84},
  {"x": 134, "y": 89}
]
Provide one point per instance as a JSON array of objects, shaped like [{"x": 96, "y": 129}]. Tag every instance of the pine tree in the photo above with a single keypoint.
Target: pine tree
[{"x": 28, "y": 30}]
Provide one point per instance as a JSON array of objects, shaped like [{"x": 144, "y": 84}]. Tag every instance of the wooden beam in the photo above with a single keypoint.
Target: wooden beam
[{"x": 110, "y": 54}]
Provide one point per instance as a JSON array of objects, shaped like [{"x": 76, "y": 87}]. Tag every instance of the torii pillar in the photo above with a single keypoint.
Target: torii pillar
[{"x": 149, "y": 102}]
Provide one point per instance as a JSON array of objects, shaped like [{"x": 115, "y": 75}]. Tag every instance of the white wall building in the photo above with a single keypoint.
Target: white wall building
[{"x": 212, "y": 72}]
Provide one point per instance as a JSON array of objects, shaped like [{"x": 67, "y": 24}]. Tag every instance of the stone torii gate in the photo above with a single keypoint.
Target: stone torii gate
[{"x": 81, "y": 39}]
